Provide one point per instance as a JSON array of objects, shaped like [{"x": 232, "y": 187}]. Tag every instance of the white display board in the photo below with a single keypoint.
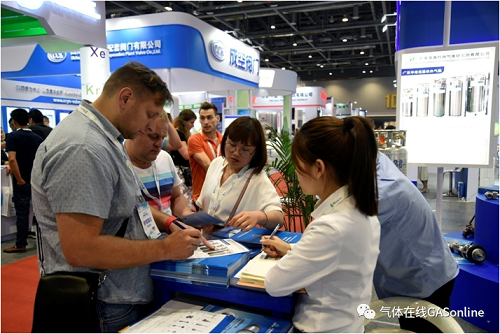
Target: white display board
[{"x": 446, "y": 103}]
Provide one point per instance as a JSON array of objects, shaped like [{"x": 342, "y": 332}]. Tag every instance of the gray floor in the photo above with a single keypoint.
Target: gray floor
[{"x": 455, "y": 215}]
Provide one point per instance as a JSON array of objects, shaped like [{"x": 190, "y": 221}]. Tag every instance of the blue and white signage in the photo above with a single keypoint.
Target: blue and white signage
[{"x": 182, "y": 41}]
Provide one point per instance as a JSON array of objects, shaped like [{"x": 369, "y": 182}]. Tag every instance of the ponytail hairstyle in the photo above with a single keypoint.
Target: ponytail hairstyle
[
  {"x": 349, "y": 151},
  {"x": 185, "y": 116}
]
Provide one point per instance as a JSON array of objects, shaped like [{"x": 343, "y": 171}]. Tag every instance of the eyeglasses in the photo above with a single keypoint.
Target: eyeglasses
[{"x": 231, "y": 148}]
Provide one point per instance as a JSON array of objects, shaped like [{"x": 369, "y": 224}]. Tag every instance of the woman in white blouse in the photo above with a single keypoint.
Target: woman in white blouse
[
  {"x": 335, "y": 259},
  {"x": 244, "y": 155}
]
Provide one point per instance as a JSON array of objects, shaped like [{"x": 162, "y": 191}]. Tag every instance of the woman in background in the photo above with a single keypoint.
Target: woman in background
[
  {"x": 244, "y": 156},
  {"x": 334, "y": 261},
  {"x": 183, "y": 124}
]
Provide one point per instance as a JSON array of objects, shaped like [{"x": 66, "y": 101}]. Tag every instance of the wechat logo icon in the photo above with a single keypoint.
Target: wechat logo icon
[{"x": 364, "y": 310}]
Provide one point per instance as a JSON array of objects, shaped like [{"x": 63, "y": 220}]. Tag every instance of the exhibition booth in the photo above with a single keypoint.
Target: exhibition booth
[
  {"x": 448, "y": 89},
  {"x": 440, "y": 98}
]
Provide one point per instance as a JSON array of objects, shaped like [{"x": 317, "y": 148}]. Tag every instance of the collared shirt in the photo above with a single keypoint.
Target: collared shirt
[
  {"x": 259, "y": 196},
  {"x": 78, "y": 169},
  {"x": 414, "y": 259},
  {"x": 334, "y": 261},
  {"x": 198, "y": 143}
]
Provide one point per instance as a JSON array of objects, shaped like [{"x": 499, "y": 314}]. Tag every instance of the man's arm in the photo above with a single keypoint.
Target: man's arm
[
  {"x": 83, "y": 244},
  {"x": 174, "y": 141},
  {"x": 14, "y": 168},
  {"x": 179, "y": 203},
  {"x": 202, "y": 159},
  {"x": 196, "y": 150}
]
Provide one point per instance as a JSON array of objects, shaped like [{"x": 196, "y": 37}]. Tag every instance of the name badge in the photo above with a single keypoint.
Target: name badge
[{"x": 148, "y": 222}]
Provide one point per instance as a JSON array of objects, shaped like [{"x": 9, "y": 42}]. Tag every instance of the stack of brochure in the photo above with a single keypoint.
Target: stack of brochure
[
  {"x": 205, "y": 267},
  {"x": 184, "y": 317},
  {"x": 256, "y": 269},
  {"x": 252, "y": 237}
]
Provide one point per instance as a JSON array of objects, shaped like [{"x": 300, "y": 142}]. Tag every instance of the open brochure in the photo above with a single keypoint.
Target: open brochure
[{"x": 222, "y": 247}]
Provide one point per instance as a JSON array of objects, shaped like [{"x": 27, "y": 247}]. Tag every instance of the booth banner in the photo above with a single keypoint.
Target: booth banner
[
  {"x": 179, "y": 40},
  {"x": 35, "y": 92},
  {"x": 304, "y": 96},
  {"x": 94, "y": 67},
  {"x": 448, "y": 92}
]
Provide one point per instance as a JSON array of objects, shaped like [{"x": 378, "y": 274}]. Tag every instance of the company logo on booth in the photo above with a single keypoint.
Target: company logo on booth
[
  {"x": 218, "y": 50},
  {"x": 56, "y": 57}
]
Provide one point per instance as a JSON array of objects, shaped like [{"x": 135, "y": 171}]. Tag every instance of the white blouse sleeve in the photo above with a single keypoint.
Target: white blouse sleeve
[{"x": 313, "y": 257}]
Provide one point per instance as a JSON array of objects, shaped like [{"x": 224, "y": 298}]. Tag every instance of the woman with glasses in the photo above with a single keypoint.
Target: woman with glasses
[{"x": 244, "y": 155}]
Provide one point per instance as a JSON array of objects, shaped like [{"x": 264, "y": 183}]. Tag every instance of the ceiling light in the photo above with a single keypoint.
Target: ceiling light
[
  {"x": 167, "y": 8},
  {"x": 321, "y": 66},
  {"x": 345, "y": 19},
  {"x": 330, "y": 73},
  {"x": 366, "y": 64},
  {"x": 344, "y": 40},
  {"x": 318, "y": 64},
  {"x": 362, "y": 52},
  {"x": 371, "y": 71},
  {"x": 273, "y": 27},
  {"x": 267, "y": 59},
  {"x": 310, "y": 56},
  {"x": 395, "y": 85},
  {"x": 283, "y": 68},
  {"x": 384, "y": 28},
  {"x": 294, "y": 44},
  {"x": 394, "y": 80},
  {"x": 240, "y": 0},
  {"x": 364, "y": 71}
]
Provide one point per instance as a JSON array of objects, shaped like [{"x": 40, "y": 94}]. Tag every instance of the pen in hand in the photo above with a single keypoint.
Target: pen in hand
[{"x": 272, "y": 234}]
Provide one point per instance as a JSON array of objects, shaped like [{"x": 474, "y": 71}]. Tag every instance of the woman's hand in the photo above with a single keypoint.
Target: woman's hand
[
  {"x": 275, "y": 247},
  {"x": 245, "y": 220}
]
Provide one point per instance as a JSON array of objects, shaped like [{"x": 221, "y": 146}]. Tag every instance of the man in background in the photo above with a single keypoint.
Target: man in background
[
  {"x": 157, "y": 171},
  {"x": 46, "y": 121},
  {"x": 36, "y": 123},
  {"x": 21, "y": 146},
  {"x": 204, "y": 146}
]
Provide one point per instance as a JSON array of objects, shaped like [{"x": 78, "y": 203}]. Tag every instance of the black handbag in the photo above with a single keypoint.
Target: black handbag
[
  {"x": 186, "y": 172},
  {"x": 65, "y": 302}
]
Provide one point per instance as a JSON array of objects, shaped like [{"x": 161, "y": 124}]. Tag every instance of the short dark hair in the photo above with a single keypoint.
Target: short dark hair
[
  {"x": 142, "y": 80},
  {"x": 36, "y": 115},
  {"x": 207, "y": 106},
  {"x": 248, "y": 131},
  {"x": 20, "y": 116}
]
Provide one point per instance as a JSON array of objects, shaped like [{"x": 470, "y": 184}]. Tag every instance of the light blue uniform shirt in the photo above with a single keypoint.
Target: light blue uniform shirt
[
  {"x": 414, "y": 259},
  {"x": 78, "y": 169}
]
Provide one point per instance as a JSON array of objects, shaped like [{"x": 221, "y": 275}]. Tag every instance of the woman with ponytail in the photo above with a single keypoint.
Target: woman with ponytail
[{"x": 335, "y": 159}]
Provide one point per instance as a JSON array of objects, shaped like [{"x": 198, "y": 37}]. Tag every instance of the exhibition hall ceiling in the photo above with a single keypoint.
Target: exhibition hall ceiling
[{"x": 320, "y": 40}]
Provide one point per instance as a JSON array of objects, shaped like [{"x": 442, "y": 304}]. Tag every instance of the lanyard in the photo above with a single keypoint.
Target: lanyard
[
  {"x": 214, "y": 199},
  {"x": 157, "y": 182},
  {"x": 120, "y": 146},
  {"x": 212, "y": 149}
]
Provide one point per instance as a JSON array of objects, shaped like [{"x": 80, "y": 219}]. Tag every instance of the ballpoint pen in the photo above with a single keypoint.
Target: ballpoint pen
[{"x": 272, "y": 234}]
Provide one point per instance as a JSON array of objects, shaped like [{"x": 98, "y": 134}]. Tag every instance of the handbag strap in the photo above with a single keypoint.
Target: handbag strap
[
  {"x": 241, "y": 195},
  {"x": 120, "y": 233}
]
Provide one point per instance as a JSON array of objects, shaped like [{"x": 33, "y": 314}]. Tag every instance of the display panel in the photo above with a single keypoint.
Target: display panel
[{"x": 447, "y": 100}]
